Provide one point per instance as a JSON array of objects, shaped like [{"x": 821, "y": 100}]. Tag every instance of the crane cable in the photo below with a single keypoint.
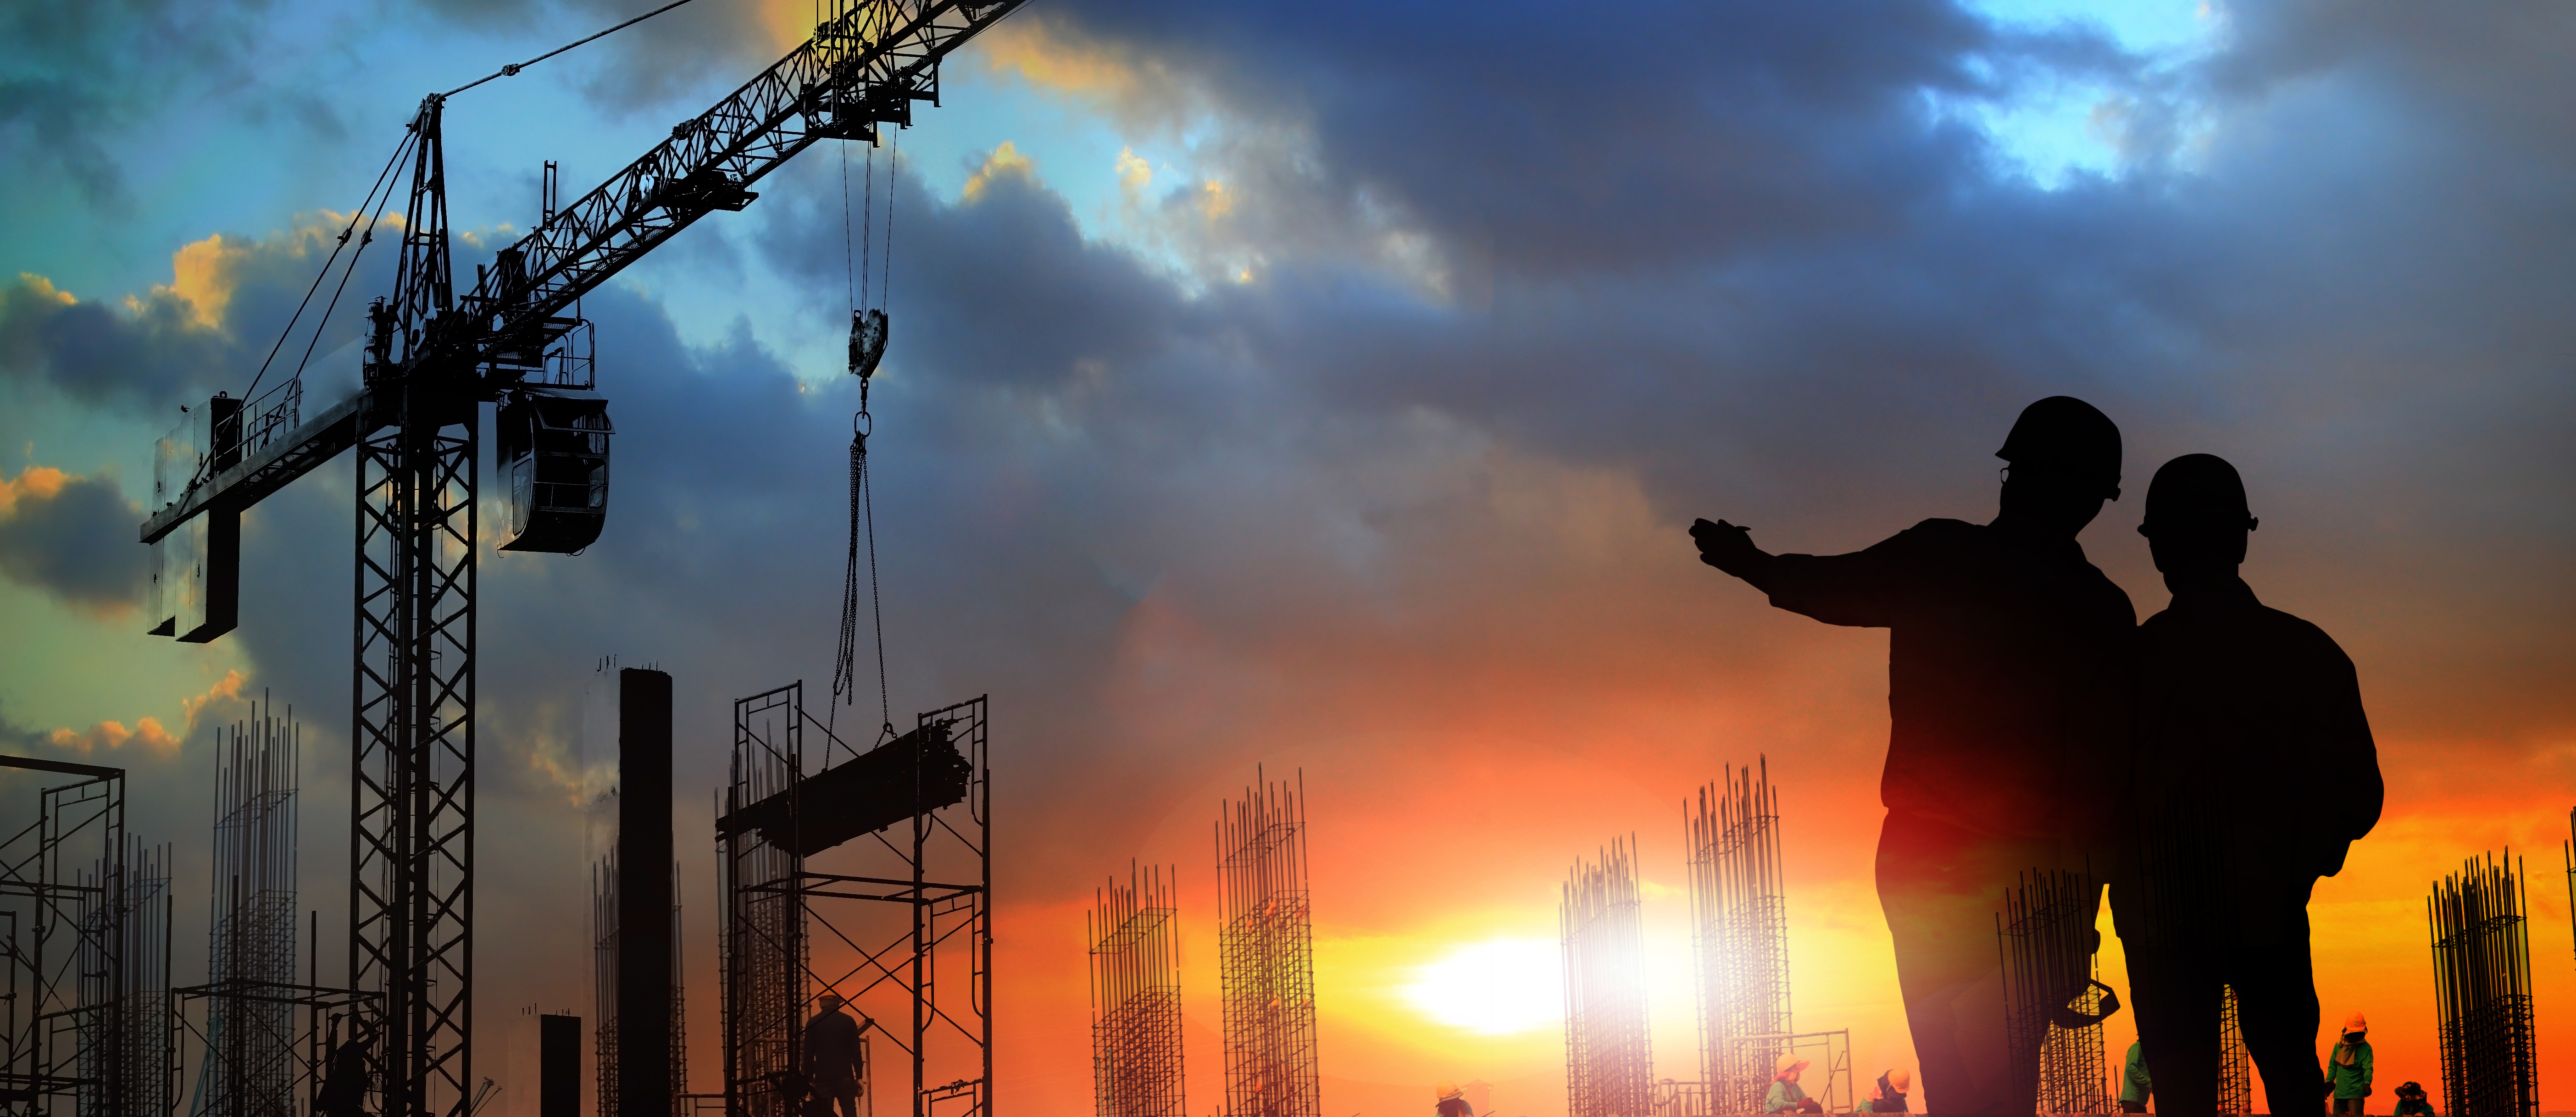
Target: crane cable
[
  {"x": 325, "y": 272},
  {"x": 855, "y": 266},
  {"x": 512, "y": 70}
]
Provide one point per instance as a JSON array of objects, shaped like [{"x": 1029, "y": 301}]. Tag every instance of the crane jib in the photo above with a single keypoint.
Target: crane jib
[{"x": 858, "y": 71}]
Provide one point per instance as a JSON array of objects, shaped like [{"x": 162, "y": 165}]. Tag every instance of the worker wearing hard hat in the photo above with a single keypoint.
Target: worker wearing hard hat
[
  {"x": 2348, "y": 1066},
  {"x": 2005, "y": 678},
  {"x": 2411, "y": 1103},
  {"x": 1452, "y": 1100},
  {"x": 1786, "y": 1096},
  {"x": 1887, "y": 1095},
  {"x": 2254, "y": 773}
]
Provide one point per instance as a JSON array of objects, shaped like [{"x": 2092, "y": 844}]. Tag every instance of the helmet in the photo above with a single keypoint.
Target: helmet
[
  {"x": 1445, "y": 1090},
  {"x": 1898, "y": 1080},
  {"x": 2196, "y": 490},
  {"x": 1787, "y": 1062},
  {"x": 2068, "y": 435},
  {"x": 2357, "y": 1024}
]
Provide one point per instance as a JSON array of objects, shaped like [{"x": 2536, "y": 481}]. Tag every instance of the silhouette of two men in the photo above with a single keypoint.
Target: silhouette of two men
[{"x": 2016, "y": 745}]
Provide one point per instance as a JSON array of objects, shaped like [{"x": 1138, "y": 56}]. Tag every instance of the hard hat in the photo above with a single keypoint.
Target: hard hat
[
  {"x": 2196, "y": 490},
  {"x": 2356, "y": 1024},
  {"x": 1445, "y": 1090},
  {"x": 2067, "y": 434},
  {"x": 1788, "y": 1062},
  {"x": 1899, "y": 1079},
  {"x": 831, "y": 999}
]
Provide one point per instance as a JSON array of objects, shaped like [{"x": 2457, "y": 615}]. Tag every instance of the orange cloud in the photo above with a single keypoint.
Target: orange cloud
[
  {"x": 1005, "y": 160},
  {"x": 42, "y": 482},
  {"x": 148, "y": 732}
]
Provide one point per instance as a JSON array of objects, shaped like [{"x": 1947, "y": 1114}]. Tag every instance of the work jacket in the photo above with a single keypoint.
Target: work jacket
[
  {"x": 2350, "y": 1079},
  {"x": 2253, "y": 743},
  {"x": 831, "y": 1049},
  {"x": 2004, "y": 670}
]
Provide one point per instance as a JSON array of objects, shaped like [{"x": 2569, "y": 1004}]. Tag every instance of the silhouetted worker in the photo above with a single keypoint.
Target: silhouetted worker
[
  {"x": 1452, "y": 1100},
  {"x": 344, "y": 1078},
  {"x": 832, "y": 1064},
  {"x": 2255, "y": 760},
  {"x": 2004, "y": 688}
]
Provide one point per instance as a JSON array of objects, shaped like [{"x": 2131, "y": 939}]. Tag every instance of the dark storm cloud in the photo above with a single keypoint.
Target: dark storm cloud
[
  {"x": 73, "y": 75},
  {"x": 76, "y": 542}
]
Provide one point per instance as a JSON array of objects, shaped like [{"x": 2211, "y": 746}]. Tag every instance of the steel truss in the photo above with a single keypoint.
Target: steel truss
[
  {"x": 2482, "y": 985},
  {"x": 1136, "y": 998},
  {"x": 1739, "y": 934},
  {"x": 932, "y": 861},
  {"x": 1609, "y": 1062},
  {"x": 1266, "y": 954},
  {"x": 2235, "y": 1069}
]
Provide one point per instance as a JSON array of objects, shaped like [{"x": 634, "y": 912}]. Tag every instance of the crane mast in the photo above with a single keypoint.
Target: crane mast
[{"x": 432, "y": 361}]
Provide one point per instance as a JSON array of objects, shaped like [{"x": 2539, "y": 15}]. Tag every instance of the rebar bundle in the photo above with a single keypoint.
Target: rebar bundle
[
  {"x": 2235, "y": 1072},
  {"x": 2052, "y": 1004},
  {"x": 1609, "y": 1065},
  {"x": 1136, "y": 998},
  {"x": 128, "y": 1044},
  {"x": 2482, "y": 986},
  {"x": 1266, "y": 955},
  {"x": 1739, "y": 935},
  {"x": 249, "y": 1067}
]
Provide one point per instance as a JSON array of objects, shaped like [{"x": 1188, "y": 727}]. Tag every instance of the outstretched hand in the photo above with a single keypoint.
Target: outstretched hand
[{"x": 1728, "y": 547}]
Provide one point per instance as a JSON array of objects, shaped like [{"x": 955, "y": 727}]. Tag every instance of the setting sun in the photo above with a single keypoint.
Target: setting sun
[{"x": 1496, "y": 987}]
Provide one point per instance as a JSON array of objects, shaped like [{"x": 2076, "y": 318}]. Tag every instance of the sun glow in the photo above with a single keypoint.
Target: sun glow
[{"x": 1495, "y": 987}]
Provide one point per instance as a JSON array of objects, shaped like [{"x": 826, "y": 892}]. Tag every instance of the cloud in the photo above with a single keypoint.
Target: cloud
[
  {"x": 206, "y": 330},
  {"x": 73, "y": 537}
]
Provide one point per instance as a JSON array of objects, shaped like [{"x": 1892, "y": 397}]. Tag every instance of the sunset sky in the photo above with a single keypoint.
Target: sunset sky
[{"x": 1327, "y": 387}]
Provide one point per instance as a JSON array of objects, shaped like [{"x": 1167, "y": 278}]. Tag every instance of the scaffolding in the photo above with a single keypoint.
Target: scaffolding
[
  {"x": 1266, "y": 954},
  {"x": 2054, "y": 1000},
  {"x": 1739, "y": 935},
  {"x": 906, "y": 829},
  {"x": 1136, "y": 997},
  {"x": 84, "y": 955},
  {"x": 2482, "y": 986},
  {"x": 1609, "y": 1066}
]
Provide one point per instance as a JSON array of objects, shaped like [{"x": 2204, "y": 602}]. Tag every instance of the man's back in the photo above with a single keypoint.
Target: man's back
[
  {"x": 2257, "y": 715},
  {"x": 831, "y": 1045}
]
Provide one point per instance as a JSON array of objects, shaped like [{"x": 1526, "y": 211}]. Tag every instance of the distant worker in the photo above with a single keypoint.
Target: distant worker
[
  {"x": 2254, "y": 773},
  {"x": 2411, "y": 1103},
  {"x": 833, "y": 1067},
  {"x": 2348, "y": 1066},
  {"x": 343, "y": 1092},
  {"x": 2005, "y": 681},
  {"x": 1786, "y": 1095},
  {"x": 1453, "y": 1101},
  {"x": 1887, "y": 1095},
  {"x": 2136, "y": 1085}
]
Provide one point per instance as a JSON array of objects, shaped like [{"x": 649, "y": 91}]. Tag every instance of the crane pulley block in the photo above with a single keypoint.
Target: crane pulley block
[
  {"x": 867, "y": 341},
  {"x": 554, "y": 449}
]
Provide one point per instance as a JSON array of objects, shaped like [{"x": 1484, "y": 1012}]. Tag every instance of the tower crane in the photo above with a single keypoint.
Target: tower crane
[{"x": 432, "y": 361}]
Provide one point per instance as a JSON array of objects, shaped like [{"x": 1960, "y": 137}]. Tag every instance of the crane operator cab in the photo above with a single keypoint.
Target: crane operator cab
[{"x": 554, "y": 449}]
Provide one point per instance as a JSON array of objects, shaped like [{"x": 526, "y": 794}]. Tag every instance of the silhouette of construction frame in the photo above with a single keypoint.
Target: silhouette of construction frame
[{"x": 784, "y": 896}]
